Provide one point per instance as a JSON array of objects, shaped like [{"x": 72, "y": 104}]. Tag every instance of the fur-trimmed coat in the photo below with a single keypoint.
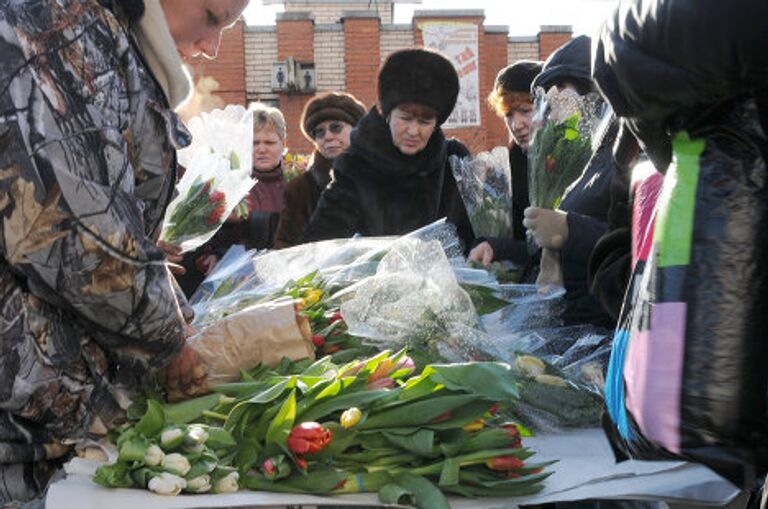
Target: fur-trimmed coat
[{"x": 377, "y": 190}]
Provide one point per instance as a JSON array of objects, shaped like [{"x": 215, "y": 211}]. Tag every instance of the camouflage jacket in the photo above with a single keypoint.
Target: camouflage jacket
[{"x": 87, "y": 167}]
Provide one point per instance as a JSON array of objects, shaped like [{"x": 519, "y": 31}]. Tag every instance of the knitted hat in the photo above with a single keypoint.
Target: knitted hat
[
  {"x": 418, "y": 76},
  {"x": 570, "y": 62},
  {"x": 330, "y": 106},
  {"x": 518, "y": 76}
]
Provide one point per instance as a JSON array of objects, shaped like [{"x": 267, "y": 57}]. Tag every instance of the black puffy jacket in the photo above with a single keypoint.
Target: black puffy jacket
[
  {"x": 377, "y": 190},
  {"x": 659, "y": 62},
  {"x": 662, "y": 64}
]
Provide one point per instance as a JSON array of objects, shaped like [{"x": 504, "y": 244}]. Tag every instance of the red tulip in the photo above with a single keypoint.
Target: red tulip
[
  {"x": 269, "y": 468},
  {"x": 504, "y": 463},
  {"x": 329, "y": 349},
  {"x": 308, "y": 438},
  {"x": 318, "y": 340},
  {"x": 301, "y": 462},
  {"x": 336, "y": 317}
]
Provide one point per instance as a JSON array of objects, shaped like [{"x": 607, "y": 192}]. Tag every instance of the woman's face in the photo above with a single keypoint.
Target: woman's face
[
  {"x": 267, "y": 149},
  {"x": 331, "y": 138},
  {"x": 196, "y": 25},
  {"x": 519, "y": 124},
  {"x": 411, "y": 129}
]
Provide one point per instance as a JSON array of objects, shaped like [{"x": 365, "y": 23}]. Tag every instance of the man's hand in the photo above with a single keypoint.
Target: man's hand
[
  {"x": 548, "y": 227},
  {"x": 174, "y": 256},
  {"x": 184, "y": 375},
  {"x": 482, "y": 253}
]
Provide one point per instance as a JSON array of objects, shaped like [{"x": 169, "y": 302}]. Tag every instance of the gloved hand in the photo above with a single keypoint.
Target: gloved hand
[{"x": 548, "y": 227}]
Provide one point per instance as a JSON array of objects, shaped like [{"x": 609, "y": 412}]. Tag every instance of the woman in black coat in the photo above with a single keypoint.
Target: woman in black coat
[{"x": 395, "y": 176}]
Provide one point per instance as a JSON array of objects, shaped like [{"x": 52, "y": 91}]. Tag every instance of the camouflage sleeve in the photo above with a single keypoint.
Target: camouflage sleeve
[{"x": 72, "y": 226}]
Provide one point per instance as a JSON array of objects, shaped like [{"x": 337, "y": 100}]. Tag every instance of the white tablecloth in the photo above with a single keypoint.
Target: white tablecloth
[{"x": 585, "y": 469}]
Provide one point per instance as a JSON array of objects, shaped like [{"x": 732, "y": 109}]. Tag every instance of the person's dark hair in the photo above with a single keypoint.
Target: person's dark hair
[{"x": 513, "y": 86}]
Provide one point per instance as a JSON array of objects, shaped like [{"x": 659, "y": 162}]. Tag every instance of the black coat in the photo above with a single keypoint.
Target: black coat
[
  {"x": 660, "y": 68},
  {"x": 377, "y": 190},
  {"x": 667, "y": 59}
]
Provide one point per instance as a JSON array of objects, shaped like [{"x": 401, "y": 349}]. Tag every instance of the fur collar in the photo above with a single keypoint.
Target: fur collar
[{"x": 159, "y": 51}]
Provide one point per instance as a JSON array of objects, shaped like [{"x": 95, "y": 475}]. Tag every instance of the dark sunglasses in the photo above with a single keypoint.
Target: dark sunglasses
[{"x": 334, "y": 127}]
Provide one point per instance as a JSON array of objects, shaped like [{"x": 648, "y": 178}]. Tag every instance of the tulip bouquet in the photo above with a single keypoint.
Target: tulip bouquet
[
  {"x": 167, "y": 458},
  {"x": 561, "y": 144},
  {"x": 217, "y": 176},
  {"x": 485, "y": 186},
  {"x": 368, "y": 425}
]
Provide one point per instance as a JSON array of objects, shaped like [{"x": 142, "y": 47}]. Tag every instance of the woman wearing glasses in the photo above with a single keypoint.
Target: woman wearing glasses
[
  {"x": 395, "y": 176},
  {"x": 327, "y": 122}
]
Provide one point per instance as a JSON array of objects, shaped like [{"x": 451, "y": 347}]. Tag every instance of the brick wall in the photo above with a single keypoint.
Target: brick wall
[
  {"x": 295, "y": 38},
  {"x": 329, "y": 66},
  {"x": 551, "y": 38},
  {"x": 394, "y": 38},
  {"x": 260, "y": 52},
  {"x": 228, "y": 69},
  {"x": 522, "y": 48},
  {"x": 362, "y": 53},
  {"x": 495, "y": 59}
]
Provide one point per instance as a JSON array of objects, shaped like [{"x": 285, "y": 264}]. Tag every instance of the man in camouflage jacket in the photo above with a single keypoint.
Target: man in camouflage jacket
[{"x": 87, "y": 167}]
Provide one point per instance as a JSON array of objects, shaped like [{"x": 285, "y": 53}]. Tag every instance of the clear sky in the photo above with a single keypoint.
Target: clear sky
[{"x": 522, "y": 16}]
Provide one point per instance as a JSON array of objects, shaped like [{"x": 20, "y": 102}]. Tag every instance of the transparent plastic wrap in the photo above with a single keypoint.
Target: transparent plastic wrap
[
  {"x": 254, "y": 276},
  {"x": 561, "y": 145},
  {"x": 414, "y": 296},
  {"x": 217, "y": 176},
  {"x": 485, "y": 186}
]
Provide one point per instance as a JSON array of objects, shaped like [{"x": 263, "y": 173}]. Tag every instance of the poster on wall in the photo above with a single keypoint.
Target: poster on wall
[{"x": 458, "y": 42}]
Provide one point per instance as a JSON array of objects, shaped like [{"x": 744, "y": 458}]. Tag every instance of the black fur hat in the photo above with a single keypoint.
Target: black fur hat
[
  {"x": 518, "y": 76},
  {"x": 418, "y": 76}
]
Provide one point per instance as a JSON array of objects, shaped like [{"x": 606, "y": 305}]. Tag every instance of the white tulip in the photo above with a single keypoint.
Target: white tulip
[
  {"x": 227, "y": 484},
  {"x": 176, "y": 463},
  {"x": 171, "y": 438},
  {"x": 167, "y": 484},
  {"x": 199, "y": 484},
  {"x": 196, "y": 436},
  {"x": 154, "y": 456}
]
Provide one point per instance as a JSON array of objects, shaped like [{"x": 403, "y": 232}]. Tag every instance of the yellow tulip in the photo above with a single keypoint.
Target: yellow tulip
[
  {"x": 475, "y": 425},
  {"x": 350, "y": 417}
]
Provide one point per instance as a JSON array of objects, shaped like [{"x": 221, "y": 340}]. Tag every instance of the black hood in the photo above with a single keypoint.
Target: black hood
[
  {"x": 371, "y": 142},
  {"x": 570, "y": 61}
]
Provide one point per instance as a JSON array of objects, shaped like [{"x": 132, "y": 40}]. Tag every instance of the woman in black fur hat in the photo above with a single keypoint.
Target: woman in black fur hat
[{"x": 395, "y": 176}]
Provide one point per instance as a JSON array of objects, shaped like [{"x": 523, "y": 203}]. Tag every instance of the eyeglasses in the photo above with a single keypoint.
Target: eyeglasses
[{"x": 334, "y": 127}]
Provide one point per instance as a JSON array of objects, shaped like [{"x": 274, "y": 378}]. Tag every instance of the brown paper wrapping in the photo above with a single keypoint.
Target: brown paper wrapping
[{"x": 262, "y": 333}]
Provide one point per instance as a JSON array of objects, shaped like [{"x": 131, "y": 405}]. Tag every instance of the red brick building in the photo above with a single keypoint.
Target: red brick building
[{"x": 339, "y": 45}]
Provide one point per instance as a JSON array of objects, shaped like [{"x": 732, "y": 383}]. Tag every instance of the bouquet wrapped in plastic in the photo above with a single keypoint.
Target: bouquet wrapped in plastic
[
  {"x": 561, "y": 146},
  {"x": 216, "y": 179},
  {"x": 485, "y": 186}
]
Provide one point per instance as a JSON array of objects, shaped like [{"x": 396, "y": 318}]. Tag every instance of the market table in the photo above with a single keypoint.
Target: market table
[{"x": 586, "y": 469}]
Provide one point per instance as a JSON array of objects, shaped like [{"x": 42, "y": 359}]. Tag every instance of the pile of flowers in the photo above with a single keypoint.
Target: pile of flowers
[
  {"x": 294, "y": 165},
  {"x": 368, "y": 425}
]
